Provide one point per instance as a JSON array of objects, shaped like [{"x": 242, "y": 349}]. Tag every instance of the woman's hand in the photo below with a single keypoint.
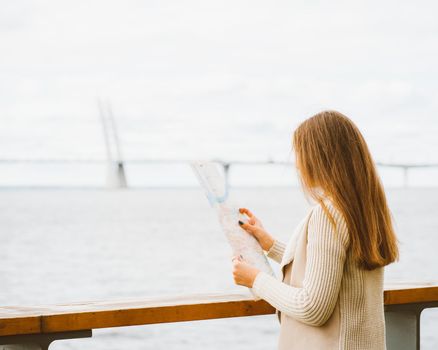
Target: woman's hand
[
  {"x": 243, "y": 273},
  {"x": 255, "y": 227}
]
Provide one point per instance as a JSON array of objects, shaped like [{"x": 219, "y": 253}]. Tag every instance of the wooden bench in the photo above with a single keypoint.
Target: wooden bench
[{"x": 36, "y": 327}]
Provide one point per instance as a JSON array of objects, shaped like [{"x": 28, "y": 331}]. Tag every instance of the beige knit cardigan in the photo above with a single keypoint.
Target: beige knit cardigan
[{"x": 331, "y": 281}]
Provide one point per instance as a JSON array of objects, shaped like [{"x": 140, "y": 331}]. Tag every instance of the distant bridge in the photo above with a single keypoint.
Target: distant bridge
[
  {"x": 115, "y": 161},
  {"x": 117, "y": 173}
]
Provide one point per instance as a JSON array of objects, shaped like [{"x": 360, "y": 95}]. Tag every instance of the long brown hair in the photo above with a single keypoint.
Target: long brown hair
[{"x": 333, "y": 158}]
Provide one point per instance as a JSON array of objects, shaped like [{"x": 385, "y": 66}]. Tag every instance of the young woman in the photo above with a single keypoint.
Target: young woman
[{"x": 330, "y": 294}]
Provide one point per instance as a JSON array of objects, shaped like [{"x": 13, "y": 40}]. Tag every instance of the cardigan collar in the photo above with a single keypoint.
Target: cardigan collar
[{"x": 289, "y": 251}]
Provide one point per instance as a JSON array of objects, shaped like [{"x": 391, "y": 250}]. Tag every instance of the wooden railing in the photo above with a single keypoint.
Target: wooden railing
[{"x": 36, "y": 327}]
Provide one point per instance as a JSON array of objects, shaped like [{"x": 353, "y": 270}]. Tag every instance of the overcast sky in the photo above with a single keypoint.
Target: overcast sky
[{"x": 228, "y": 79}]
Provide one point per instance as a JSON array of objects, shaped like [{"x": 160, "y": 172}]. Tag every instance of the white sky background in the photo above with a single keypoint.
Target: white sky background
[{"x": 228, "y": 79}]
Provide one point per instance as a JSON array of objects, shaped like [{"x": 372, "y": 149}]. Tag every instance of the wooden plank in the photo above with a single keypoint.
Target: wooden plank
[
  {"x": 16, "y": 320},
  {"x": 202, "y": 307},
  {"x": 128, "y": 312},
  {"x": 409, "y": 294}
]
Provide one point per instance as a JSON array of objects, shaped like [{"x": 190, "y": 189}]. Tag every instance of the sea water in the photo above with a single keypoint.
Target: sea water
[{"x": 69, "y": 245}]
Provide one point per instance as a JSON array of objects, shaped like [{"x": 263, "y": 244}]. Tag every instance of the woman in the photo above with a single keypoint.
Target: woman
[{"x": 330, "y": 295}]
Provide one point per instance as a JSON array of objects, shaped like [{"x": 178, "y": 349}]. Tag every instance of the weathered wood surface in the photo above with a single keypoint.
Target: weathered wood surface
[{"x": 118, "y": 313}]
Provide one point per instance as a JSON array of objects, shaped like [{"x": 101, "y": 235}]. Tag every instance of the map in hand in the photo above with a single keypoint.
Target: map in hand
[{"x": 212, "y": 180}]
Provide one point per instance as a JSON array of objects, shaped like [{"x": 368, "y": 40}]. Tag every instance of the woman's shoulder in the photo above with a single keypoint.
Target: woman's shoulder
[
  {"x": 332, "y": 209},
  {"x": 327, "y": 215}
]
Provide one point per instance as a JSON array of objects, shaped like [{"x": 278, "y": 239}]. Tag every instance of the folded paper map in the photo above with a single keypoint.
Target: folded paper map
[{"x": 212, "y": 179}]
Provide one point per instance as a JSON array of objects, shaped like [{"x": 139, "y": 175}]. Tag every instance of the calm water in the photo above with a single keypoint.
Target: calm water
[{"x": 77, "y": 245}]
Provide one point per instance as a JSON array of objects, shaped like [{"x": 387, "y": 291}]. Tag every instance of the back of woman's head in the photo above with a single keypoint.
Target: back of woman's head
[{"x": 334, "y": 161}]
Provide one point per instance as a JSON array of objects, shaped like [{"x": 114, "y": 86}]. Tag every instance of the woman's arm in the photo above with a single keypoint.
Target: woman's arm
[
  {"x": 313, "y": 303},
  {"x": 276, "y": 251}
]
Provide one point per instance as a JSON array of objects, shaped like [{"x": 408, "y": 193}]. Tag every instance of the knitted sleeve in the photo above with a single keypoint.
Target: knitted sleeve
[
  {"x": 313, "y": 303},
  {"x": 276, "y": 251}
]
